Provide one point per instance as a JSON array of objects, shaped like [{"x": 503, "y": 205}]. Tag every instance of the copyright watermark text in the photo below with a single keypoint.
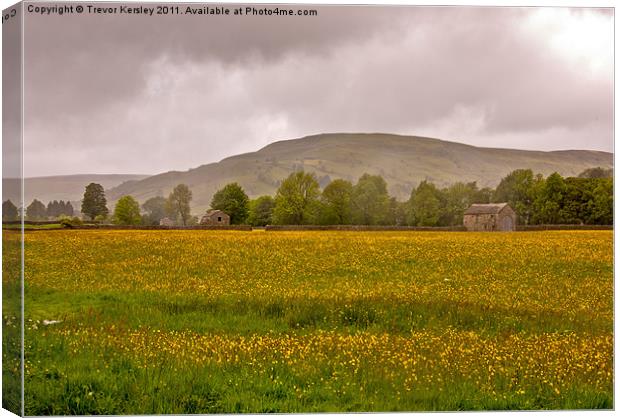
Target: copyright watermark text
[{"x": 175, "y": 9}]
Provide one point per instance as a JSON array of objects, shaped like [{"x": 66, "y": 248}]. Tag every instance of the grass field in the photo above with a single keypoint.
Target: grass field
[
  {"x": 28, "y": 227},
  {"x": 226, "y": 321}
]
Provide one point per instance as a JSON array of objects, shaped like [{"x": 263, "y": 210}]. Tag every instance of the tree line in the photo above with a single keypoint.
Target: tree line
[
  {"x": 586, "y": 199},
  {"x": 37, "y": 211},
  {"x": 299, "y": 200}
]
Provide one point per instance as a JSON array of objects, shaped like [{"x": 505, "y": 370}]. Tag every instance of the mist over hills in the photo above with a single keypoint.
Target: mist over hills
[
  {"x": 403, "y": 161},
  {"x": 70, "y": 187}
]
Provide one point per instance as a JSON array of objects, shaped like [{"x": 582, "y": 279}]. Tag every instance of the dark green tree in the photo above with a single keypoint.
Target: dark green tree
[
  {"x": 336, "y": 203},
  {"x": 549, "y": 202},
  {"x": 233, "y": 200},
  {"x": 455, "y": 200},
  {"x": 52, "y": 209},
  {"x": 424, "y": 205},
  {"x": 261, "y": 211},
  {"x": 574, "y": 203},
  {"x": 588, "y": 200},
  {"x": 155, "y": 210},
  {"x": 127, "y": 211},
  {"x": 603, "y": 204},
  {"x": 296, "y": 201},
  {"x": 370, "y": 201},
  {"x": 9, "y": 211},
  {"x": 519, "y": 189},
  {"x": 36, "y": 211},
  {"x": 94, "y": 201},
  {"x": 178, "y": 202},
  {"x": 58, "y": 208}
]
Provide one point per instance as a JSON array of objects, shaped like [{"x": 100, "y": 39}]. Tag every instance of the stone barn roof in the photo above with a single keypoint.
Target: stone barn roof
[
  {"x": 485, "y": 208},
  {"x": 212, "y": 212}
]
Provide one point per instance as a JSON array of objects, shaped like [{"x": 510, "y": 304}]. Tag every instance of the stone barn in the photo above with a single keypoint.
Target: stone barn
[
  {"x": 490, "y": 217},
  {"x": 215, "y": 217},
  {"x": 166, "y": 222}
]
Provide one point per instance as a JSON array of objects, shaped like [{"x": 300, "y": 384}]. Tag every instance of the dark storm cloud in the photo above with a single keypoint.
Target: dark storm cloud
[
  {"x": 96, "y": 58},
  {"x": 182, "y": 91}
]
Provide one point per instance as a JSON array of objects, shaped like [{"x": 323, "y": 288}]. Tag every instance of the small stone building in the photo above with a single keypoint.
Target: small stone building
[
  {"x": 215, "y": 217},
  {"x": 490, "y": 217},
  {"x": 166, "y": 222}
]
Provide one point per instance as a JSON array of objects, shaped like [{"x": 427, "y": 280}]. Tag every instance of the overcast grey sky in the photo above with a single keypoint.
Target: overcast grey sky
[{"x": 135, "y": 94}]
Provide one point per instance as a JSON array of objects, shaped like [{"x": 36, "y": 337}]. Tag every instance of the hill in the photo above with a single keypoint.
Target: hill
[
  {"x": 403, "y": 161},
  {"x": 61, "y": 187}
]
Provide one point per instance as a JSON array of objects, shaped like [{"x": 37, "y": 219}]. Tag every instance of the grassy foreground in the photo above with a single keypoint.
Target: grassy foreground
[{"x": 223, "y": 321}]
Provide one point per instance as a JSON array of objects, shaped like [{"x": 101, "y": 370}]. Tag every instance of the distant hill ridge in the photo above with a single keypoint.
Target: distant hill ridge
[
  {"x": 403, "y": 161},
  {"x": 69, "y": 187}
]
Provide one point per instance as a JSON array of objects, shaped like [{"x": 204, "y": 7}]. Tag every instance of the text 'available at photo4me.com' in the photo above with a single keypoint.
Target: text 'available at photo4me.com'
[{"x": 155, "y": 10}]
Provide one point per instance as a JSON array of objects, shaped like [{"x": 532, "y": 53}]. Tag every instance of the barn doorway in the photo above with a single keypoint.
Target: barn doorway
[{"x": 507, "y": 224}]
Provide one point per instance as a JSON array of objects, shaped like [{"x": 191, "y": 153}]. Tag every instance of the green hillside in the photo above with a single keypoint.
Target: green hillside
[{"x": 403, "y": 161}]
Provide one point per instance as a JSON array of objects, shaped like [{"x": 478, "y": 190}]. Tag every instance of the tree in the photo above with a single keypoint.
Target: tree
[
  {"x": 455, "y": 200},
  {"x": 233, "y": 200},
  {"x": 519, "y": 189},
  {"x": 155, "y": 209},
  {"x": 549, "y": 201},
  {"x": 94, "y": 201},
  {"x": 296, "y": 201},
  {"x": 127, "y": 211},
  {"x": 336, "y": 203},
  {"x": 52, "y": 209},
  {"x": 603, "y": 204},
  {"x": 484, "y": 195},
  {"x": 68, "y": 210},
  {"x": 424, "y": 205},
  {"x": 597, "y": 173},
  {"x": 58, "y": 208},
  {"x": 397, "y": 214},
  {"x": 261, "y": 211},
  {"x": 62, "y": 208},
  {"x": 370, "y": 200},
  {"x": 9, "y": 211},
  {"x": 35, "y": 211},
  {"x": 178, "y": 203}
]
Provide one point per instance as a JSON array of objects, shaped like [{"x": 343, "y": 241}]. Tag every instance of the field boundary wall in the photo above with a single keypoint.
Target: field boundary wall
[{"x": 275, "y": 228}]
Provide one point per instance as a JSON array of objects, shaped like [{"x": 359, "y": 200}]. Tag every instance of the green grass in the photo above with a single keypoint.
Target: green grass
[
  {"x": 11, "y": 324},
  {"x": 28, "y": 226},
  {"x": 248, "y": 316}
]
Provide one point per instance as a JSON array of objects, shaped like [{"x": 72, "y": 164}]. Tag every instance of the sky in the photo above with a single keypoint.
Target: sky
[{"x": 149, "y": 94}]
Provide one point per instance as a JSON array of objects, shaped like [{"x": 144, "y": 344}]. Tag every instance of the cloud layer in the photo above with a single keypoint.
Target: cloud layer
[{"x": 114, "y": 94}]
